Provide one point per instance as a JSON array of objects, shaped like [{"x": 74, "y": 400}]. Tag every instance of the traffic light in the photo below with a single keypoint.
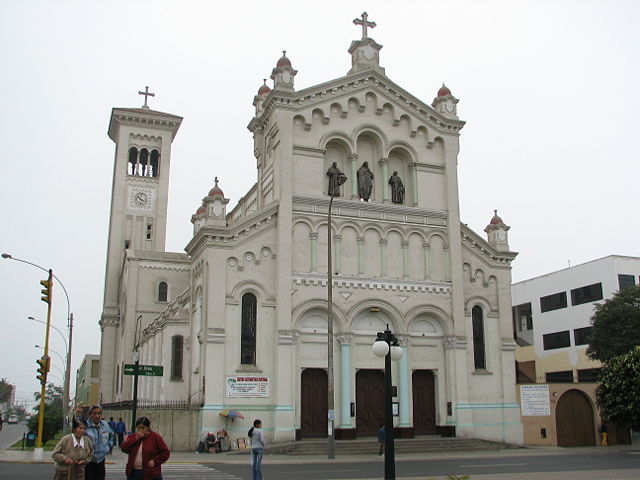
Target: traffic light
[
  {"x": 43, "y": 368},
  {"x": 46, "y": 291}
]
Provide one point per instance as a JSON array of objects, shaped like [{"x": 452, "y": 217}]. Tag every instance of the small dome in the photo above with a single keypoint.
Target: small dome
[
  {"x": 200, "y": 210},
  {"x": 264, "y": 89},
  {"x": 216, "y": 190},
  {"x": 496, "y": 220},
  {"x": 284, "y": 61},
  {"x": 444, "y": 91}
]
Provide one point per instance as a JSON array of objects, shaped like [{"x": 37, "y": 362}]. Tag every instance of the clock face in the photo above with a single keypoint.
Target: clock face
[{"x": 140, "y": 199}]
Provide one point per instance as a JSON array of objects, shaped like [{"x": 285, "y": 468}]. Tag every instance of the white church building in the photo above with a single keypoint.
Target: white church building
[{"x": 239, "y": 321}]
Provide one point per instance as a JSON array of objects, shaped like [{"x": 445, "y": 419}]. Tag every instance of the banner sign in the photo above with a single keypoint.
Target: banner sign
[
  {"x": 534, "y": 400},
  {"x": 248, "y": 386}
]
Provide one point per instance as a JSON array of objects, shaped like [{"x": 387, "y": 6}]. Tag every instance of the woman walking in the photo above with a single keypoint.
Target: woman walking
[
  {"x": 72, "y": 453},
  {"x": 147, "y": 451},
  {"x": 257, "y": 449}
]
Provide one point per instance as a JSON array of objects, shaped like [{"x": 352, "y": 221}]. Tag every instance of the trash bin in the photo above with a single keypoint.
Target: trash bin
[{"x": 31, "y": 439}]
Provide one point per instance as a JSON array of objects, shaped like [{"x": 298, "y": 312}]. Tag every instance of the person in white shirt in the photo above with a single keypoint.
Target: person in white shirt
[{"x": 257, "y": 449}]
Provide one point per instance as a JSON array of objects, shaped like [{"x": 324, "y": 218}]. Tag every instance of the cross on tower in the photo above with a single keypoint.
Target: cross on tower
[
  {"x": 146, "y": 94},
  {"x": 364, "y": 24}
]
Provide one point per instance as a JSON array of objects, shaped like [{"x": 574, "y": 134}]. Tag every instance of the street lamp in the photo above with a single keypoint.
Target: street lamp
[
  {"x": 386, "y": 345},
  {"x": 64, "y": 339},
  {"x": 331, "y": 417},
  {"x": 53, "y": 351},
  {"x": 67, "y": 374}
]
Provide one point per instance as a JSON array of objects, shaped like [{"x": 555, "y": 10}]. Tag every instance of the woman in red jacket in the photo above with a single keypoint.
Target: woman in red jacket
[{"x": 147, "y": 451}]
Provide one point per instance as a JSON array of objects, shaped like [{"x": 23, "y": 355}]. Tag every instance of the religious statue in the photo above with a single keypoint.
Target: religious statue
[
  {"x": 397, "y": 188},
  {"x": 365, "y": 182},
  {"x": 334, "y": 180}
]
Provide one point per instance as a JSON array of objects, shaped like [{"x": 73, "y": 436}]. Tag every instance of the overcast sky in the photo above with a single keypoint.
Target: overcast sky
[{"x": 549, "y": 90}]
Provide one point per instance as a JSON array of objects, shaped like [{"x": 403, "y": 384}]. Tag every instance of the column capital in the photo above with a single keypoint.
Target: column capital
[
  {"x": 426, "y": 245},
  {"x": 353, "y": 157},
  {"x": 405, "y": 244},
  {"x": 383, "y": 242},
  {"x": 383, "y": 161},
  {"x": 403, "y": 340},
  {"x": 360, "y": 239},
  {"x": 344, "y": 339},
  {"x": 337, "y": 236},
  {"x": 449, "y": 342},
  {"x": 413, "y": 165},
  {"x": 313, "y": 235}
]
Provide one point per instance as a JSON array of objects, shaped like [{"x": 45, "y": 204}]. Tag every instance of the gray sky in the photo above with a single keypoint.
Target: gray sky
[{"x": 549, "y": 90}]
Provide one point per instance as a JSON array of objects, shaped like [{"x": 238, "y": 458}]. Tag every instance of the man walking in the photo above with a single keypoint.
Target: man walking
[
  {"x": 103, "y": 439},
  {"x": 121, "y": 429}
]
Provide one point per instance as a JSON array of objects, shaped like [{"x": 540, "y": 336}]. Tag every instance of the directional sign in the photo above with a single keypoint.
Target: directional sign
[{"x": 144, "y": 370}]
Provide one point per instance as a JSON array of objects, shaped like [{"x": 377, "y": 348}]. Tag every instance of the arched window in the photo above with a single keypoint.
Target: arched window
[
  {"x": 176, "y": 357},
  {"x": 248, "y": 330},
  {"x": 133, "y": 159},
  {"x": 479, "y": 359},
  {"x": 163, "y": 292},
  {"x": 155, "y": 159}
]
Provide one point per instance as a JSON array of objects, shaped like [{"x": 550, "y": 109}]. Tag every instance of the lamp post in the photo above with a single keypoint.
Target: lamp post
[
  {"x": 386, "y": 345},
  {"x": 331, "y": 412},
  {"x": 136, "y": 364},
  {"x": 67, "y": 374}
]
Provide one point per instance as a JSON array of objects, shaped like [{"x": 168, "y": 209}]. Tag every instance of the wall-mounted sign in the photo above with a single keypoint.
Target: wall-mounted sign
[
  {"x": 534, "y": 400},
  {"x": 248, "y": 386}
]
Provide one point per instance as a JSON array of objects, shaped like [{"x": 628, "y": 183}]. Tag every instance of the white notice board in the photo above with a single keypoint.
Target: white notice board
[
  {"x": 248, "y": 386},
  {"x": 534, "y": 400}
]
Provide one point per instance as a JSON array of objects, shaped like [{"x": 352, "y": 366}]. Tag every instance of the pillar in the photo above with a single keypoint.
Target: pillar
[
  {"x": 314, "y": 251},
  {"x": 354, "y": 176},
  {"x": 385, "y": 179}
]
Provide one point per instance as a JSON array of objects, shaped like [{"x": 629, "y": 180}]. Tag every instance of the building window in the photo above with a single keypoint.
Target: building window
[
  {"x": 586, "y": 294},
  {"x": 522, "y": 318},
  {"x": 556, "y": 340},
  {"x": 553, "y": 302},
  {"x": 176, "y": 357},
  {"x": 248, "y": 329},
  {"x": 626, "y": 281},
  {"x": 149, "y": 231},
  {"x": 477, "y": 321},
  {"x": 581, "y": 336},
  {"x": 589, "y": 375},
  {"x": 95, "y": 368},
  {"x": 163, "y": 292},
  {"x": 565, "y": 376}
]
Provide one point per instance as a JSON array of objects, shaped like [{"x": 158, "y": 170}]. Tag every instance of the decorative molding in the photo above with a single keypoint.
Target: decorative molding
[
  {"x": 344, "y": 339},
  {"x": 311, "y": 280}
]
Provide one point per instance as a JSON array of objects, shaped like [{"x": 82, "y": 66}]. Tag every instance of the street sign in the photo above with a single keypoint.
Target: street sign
[{"x": 144, "y": 370}]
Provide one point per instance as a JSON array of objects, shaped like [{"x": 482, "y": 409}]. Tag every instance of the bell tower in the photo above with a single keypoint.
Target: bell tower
[{"x": 139, "y": 197}]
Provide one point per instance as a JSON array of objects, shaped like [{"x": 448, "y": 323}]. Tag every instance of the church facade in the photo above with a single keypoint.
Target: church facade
[{"x": 239, "y": 321}]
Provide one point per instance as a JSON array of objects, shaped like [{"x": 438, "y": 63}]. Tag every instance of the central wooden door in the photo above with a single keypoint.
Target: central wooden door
[
  {"x": 369, "y": 401},
  {"x": 313, "y": 404},
  {"x": 574, "y": 420},
  {"x": 424, "y": 402}
]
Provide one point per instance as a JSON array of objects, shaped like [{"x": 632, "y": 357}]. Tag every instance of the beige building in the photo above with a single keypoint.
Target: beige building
[
  {"x": 88, "y": 382},
  {"x": 240, "y": 320}
]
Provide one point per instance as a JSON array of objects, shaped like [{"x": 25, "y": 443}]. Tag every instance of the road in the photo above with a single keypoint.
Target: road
[
  {"x": 575, "y": 464},
  {"x": 10, "y": 434}
]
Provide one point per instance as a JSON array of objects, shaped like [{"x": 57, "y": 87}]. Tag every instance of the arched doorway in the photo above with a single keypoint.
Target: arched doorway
[
  {"x": 574, "y": 420},
  {"x": 369, "y": 401},
  {"x": 424, "y": 405},
  {"x": 313, "y": 403}
]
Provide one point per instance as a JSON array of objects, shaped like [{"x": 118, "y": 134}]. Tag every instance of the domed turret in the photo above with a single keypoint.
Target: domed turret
[
  {"x": 497, "y": 233},
  {"x": 283, "y": 74},
  {"x": 445, "y": 103}
]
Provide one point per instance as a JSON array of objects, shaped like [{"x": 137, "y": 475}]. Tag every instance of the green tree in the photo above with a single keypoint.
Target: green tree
[
  {"x": 616, "y": 325},
  {"x": 618, "y": 394},
  {"x": 53, "y": 416},
  {"x": 6, "y": 390}
]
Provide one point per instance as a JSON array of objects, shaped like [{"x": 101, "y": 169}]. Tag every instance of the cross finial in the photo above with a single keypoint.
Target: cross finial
[
  {"x": 146, "y": 95},
  {"x": 216, "y": 180},
  {"x": 364, "y": 24}
]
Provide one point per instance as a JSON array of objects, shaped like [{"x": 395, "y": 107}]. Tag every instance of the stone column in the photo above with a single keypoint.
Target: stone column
[
  {"x": 383, "y": 257},
  {"x": 449, "y": 344},
  {"x": 447, "y": 264},
  {"x": 427, "y": 261},
  {"x": 354, "y": 176},
  {"x": 414, "y": 182},
  {"x": 405, "y": 259},
  {"x": 403, "y": 382},
  {"x": 385, "y": 178},
  {"x": 314, "y": 251},
  {"x": 345, "y": 380},
  {"x": 337, "y": 239},
  {"x": 360, "y": 255}
]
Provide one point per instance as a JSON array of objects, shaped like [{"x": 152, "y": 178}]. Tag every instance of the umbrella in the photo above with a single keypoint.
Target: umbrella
[{"x": 230, "y": 413}]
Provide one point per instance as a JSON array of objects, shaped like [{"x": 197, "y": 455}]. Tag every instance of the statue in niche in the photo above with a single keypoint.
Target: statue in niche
[
  {"x": 365, "y": 182},
  {"x": 397, "y": 188},
  {"x": 334, "y": 179}
]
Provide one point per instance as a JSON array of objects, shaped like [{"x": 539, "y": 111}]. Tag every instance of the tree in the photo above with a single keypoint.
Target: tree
[
  {"x": 53, "y": 415},
  {"x": 616, "y": 325},
  {"x": 618, "y": 394},
  {"x": 6, "y": 390}
]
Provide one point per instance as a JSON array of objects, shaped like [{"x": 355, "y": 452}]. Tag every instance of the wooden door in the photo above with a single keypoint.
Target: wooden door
[
  {"x": 424, "y": 402},
  {"x": 574, "y": 420},
  {"x": 369, "y": 401},
  {"x": 313, "y": 404}
]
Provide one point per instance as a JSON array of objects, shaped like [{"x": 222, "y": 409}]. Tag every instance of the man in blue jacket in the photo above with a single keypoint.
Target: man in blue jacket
[{"x": 103, "y": 438}]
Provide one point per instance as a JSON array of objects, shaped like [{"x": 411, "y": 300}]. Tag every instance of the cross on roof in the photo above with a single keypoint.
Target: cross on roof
[
  {"x": 364, "y": 23},
  {"x": 146, "y": 95}
]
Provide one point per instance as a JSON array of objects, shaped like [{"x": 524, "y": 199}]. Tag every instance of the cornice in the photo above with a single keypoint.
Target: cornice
[
  {"x": 311, "y": 280},
  {"x": 475, "y": 243},
  {"x": 141, "y": 117}
]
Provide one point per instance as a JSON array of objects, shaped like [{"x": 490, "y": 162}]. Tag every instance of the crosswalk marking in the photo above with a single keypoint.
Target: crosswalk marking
[{"x": 176, "y": 471}]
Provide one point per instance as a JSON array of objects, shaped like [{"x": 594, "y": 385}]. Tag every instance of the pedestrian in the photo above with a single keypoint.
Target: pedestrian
[
  {"x": 604, "y": 435},
  {"x": 257, "y": 449},
  {"x": 381, "y": 439},
  {"x": 147, "y": 452},
  {"x": 72, "y": 453},
  {"x": 121, "y": 429},
  {"x": 112, "y": 424},
  {"x": 103, "y": 439}
]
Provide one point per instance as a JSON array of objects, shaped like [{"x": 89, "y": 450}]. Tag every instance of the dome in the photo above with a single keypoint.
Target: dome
[
  {"x": 444, "y": 91},
  {"x": 264, "y": 89},
  {"x": 216, "y": 190},
  {"x": 200, "y": 210},
  {"x": 496, "y": 220},
  {"x": 284, "y": 61}
]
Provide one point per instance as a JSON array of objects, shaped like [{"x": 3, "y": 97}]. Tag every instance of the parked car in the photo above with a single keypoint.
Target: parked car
[{"x": 12, "y": 419}]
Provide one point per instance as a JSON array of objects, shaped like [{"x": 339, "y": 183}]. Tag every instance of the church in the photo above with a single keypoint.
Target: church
[{"x": 239, "y": 321}]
